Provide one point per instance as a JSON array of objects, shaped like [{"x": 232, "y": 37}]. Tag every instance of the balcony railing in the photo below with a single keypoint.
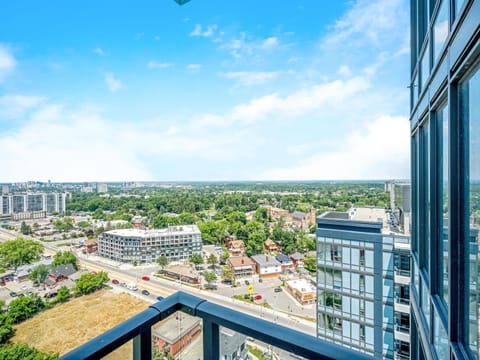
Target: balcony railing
[
  {"x": 138, "y": 328},
  {"x": 402, "y": 272}
]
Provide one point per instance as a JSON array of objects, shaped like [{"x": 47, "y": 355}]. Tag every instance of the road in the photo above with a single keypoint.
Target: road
[{"x": 165, "y": 288}]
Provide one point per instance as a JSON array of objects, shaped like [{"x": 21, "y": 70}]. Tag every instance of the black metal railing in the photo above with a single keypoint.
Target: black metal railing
[{"x": 138, "y": 328}]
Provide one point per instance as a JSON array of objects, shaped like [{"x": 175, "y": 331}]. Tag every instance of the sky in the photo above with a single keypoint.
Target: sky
[{"x": 211, "y": 90}]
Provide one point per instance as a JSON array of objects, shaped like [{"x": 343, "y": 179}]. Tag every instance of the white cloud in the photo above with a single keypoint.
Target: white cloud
[
  {"x": 193, "y": 67},
  {"x": 7, "y": 62},
  {"x": 248, "y": 78},
  {"x": 301, "y": 101},
  {"x": 199, "y": 31},
  {"x": 370, "y": 22},
  {"x": 379, "y": 150},
  {"x": 158, "y": 65},
  {"x": 112, "y": 83},
  {"x": 99, "y": 51},
  {"x": 270, "y": 43},
  {"x": 156, "y": 37},
  {"x": 294, "y": 59},
  {"x": 344, "y": 70},
  {"x": 15, "y": 106}
]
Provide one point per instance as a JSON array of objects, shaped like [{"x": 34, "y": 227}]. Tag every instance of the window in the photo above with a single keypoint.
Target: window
[
  {"x": 458, "y": 6},
  {"x": 443, "y": 179},
  {"x": 440, "y": 29},
  {"x": 470, "y": 93},
  {"x": 426, "y": 209},
  {"x": 425, "y": 67}
]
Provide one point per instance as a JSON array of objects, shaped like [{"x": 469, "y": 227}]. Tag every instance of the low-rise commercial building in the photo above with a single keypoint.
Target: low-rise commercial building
[
  {"x": 302, "y": 290},
  {"x": 241, "y": 266},
  {"x": 146, "y": 246}
]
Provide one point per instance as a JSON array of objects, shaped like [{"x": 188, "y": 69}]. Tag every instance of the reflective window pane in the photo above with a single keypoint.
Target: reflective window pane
[
  {"x": 440, "y": 29},
  {"x": 470, "y": 93}
]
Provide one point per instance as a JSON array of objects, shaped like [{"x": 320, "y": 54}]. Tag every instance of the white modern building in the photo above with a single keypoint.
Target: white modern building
[
  {"x": 146, "y": 246},
  {"x": 47, "y": 202},
  {"x": 267, "y": 266}
]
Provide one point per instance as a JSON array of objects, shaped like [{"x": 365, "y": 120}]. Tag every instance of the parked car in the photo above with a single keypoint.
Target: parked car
[
  {"x": 160, "y": 298},
  {"x": 123, "y": 284},
  {"x": 247, "y": 282},
  {"x": 145, "y": 277},
  {"x": 145, "y": 292},
  {"x": 29, "y": 293},
  {"x": 13, "y": 294},
  {"x": 278, "y": 289},
  {"x": 260, "y": 280},
  {"x": 115, "y": 281},
  {"x": 257, "y": 297}
]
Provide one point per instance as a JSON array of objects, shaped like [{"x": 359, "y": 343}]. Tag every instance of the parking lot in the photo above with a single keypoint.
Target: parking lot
[{"x": 281, "y": 301}]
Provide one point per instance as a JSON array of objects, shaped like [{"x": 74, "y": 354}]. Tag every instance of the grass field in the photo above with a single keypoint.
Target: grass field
[{"x": 69, "y": 325}]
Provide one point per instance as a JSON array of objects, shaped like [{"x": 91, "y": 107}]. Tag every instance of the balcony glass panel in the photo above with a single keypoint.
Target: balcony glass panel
[
  {"x": 470, "y": 93},
  {"x": 440, "y": 339},
  {"x": 425, "y": 67}
]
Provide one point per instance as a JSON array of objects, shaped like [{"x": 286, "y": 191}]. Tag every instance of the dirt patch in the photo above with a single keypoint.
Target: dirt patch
[{"x": 69, "y": 325}]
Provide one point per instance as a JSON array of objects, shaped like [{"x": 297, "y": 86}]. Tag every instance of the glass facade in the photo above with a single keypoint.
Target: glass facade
[
  {"x": 348, "y": 312},
  {"x": 445, "y": 143}
]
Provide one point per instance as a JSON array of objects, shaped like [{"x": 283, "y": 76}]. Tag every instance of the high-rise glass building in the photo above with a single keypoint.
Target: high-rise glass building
[
  {"x": 363, "y": 278},
  {"x": 445, "y": 138}
]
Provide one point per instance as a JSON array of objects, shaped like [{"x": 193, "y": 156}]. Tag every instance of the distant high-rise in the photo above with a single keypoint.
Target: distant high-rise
[
  {"x": 445, "y": 149},
  {"x": 30, "y": 203}
]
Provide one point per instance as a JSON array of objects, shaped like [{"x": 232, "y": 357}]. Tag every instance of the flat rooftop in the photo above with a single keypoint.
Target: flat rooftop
[
  {"x": 301, "y": 285},
  {"x": 172, "y": 230}
]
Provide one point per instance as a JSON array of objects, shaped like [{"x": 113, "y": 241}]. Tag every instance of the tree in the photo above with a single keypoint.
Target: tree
[
  {"x": 63, "y": 295},
  {"x": 20, "y": 251},
  {"x": 6, "y": 328},
  {"x": 228, "y": 274},
  {"x": 24, "y": 307},
  {"x": 23, "y": 351},
  {"x": 196, "y": 259},
  {"x": 88, "y": 283},
  {"x": 212, "y": 260},
  {"x": 210, "y": 276},
  {"x": 64, "y": 258},
  {"x": 25, "y": 229},
  {"x": 162, "y": 261},
  {"x": 39, "y": 274},
  {"x": 224, "y": 257},
  {"x": 310, "y": 263}
]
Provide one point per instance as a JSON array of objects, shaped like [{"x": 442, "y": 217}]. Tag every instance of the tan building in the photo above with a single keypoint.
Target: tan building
[
  {"x": 302, "y": 290},
  {"x": 241, "y": 266},
  {"x": 236, "y": 248}
]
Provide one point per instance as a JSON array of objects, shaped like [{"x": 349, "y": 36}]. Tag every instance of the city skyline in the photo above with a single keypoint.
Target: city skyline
[{"x": 204, "y": 91}]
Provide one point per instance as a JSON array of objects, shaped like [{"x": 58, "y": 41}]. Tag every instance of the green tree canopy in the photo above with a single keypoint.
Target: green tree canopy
[
  {"x": 25, "y": 229},
  {"x": 88, "y": 283},
  {"x": 65, "y": 257},
  {"x": 25, "y": 307},
  {"x": 196, "y": 259},
  {"x": 39, "y": 273},
  {"x": 14, "y": 253},
  {"x": 210, "y": 276},
  {"x": 162, "y": 261},
  {"x": 212, "y": 259},
  {"x": 23, "y": 351}
]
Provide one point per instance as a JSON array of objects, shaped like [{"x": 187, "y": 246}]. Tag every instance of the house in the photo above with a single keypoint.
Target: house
[
  {"x": 270, "y": 245},
  {"x": 236, "y": 248},
  {"x": 301, "y": 220},
  {"x": 287, "y": 263},
  {"x": 267, "y": 266},
  {"x": 24, "y": 270},
  {"x": 241, "y": 266},
  {"x": 59, "y": 274},
  {"x": 298, "y": 259},
  {"x": 91, "y": 246}
]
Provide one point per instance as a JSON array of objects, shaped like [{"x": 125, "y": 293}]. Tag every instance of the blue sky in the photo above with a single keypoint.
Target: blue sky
[{"x": 212, "y": 90}]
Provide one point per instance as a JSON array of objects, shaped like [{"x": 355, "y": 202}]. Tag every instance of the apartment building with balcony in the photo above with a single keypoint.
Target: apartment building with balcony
[
  {"x": 362, "y": 282},
  {"x": 146, "y": 246},
  {"x": 445, "y": 138},
  {"x": 31, "y": 203}
]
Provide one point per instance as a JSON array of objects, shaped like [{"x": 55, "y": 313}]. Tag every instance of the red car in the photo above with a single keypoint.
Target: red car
[
  {"x": 257, "y": 297},
  {"x": 116, "y": 282},
  {"x": 145, "y": 277}
]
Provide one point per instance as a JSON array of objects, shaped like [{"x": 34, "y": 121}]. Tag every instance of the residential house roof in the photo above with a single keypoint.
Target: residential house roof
[
  {"x": 283, "y": 258},
  {"x": 297, "y": 256},
  {"x": 239, "y": 261},
  {"x": 265, "y": 260},
  {"x": 63, "y": 270},
  {"x": 299, "y": 215}
]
